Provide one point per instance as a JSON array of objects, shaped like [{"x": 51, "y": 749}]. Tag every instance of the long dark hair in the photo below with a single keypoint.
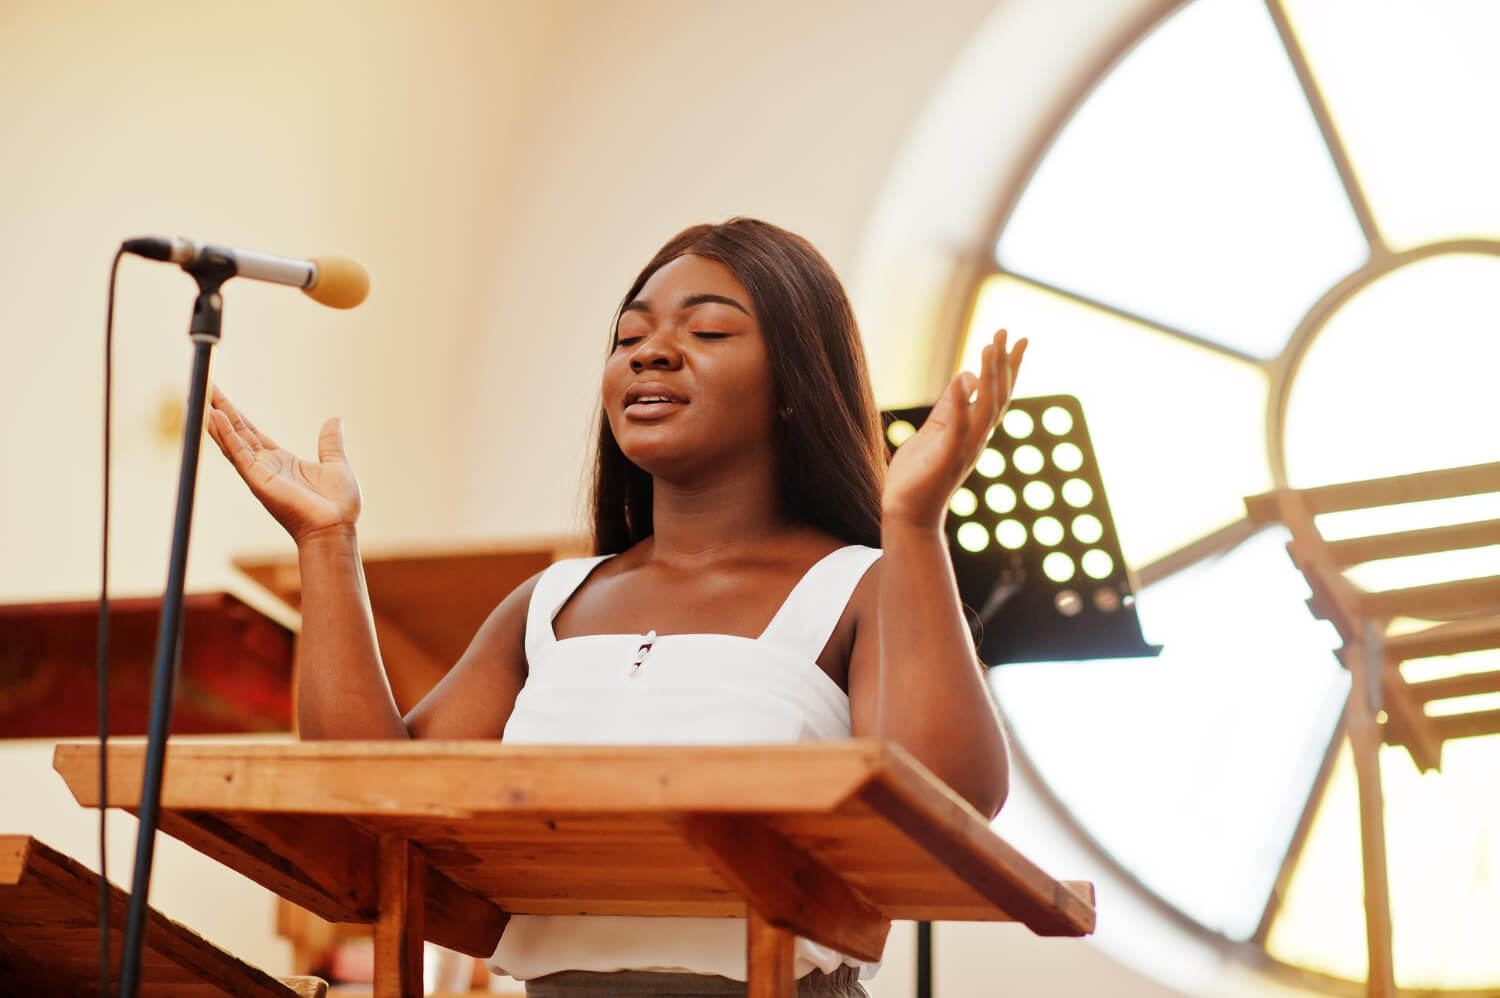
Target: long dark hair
[{"x": 830, "y": 455}]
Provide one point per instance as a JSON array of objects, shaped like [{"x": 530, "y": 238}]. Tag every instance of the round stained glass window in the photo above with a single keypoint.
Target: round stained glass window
[{"x": 1262, "y": 251}]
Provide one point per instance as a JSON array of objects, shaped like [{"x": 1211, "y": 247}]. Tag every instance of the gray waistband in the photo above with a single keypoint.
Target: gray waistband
[{"x": 842, "y": 983}]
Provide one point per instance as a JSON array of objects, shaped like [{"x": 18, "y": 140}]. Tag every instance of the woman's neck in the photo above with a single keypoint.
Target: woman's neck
[{"x": 703, "y": 522}]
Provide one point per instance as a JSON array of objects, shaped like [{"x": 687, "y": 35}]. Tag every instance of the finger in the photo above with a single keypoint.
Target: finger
[
  {"x": 239, "y": 452},
  {"x": 247, "y": 430},
  {"x": 1016, "y": 356},
  {"x": 331, "y": 441},
  {"x": 985, "y": 409},
  {"x": 952, "y": 407}
]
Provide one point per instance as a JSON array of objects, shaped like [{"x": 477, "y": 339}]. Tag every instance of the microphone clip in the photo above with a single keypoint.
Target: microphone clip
[{"x": 210, "y": 268}]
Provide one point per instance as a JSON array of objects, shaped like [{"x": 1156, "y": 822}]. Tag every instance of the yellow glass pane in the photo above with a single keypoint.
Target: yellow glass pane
[
  {"x": 1178, "y": 429},
  {"x": 1411, "y": 91},
  {"x": 1442, "y": 840}
]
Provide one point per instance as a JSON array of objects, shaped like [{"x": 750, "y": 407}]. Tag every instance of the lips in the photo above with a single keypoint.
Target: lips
[{"x": 651, "y": 396}]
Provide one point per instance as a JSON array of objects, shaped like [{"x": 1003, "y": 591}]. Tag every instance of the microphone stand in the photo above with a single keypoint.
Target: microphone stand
[{"x": 211, "y": 270}]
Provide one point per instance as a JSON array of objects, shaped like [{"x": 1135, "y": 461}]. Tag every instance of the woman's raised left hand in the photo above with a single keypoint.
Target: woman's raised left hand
[{"x": 927, "y": 468}]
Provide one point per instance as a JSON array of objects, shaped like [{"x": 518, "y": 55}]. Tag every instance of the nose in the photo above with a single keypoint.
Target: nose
[{"x": 659, "y": 352}]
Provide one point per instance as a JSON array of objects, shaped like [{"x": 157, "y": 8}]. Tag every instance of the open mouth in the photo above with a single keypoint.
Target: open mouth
[
  {"x": 651, "y": 401},
  {"x": 651, "y": 407}
]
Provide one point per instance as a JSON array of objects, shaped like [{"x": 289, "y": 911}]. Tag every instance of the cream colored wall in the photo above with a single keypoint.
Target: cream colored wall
[
  {"x": 503, "y": 169},
  {"x": 382, "y": 130},
  {"x": 655, "y": 117}
]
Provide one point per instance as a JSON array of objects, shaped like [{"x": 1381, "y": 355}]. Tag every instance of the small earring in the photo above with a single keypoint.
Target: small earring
[{"x": 786, "y": 414}]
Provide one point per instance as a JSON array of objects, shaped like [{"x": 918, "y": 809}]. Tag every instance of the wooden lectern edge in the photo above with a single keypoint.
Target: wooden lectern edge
[
  {"x": 26, "y": 858},
  {"x": 916, "y": 801},
  {"x": 76, "y": 761}
]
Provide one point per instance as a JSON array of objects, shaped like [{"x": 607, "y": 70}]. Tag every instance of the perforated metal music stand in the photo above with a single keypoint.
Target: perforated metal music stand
[{"x": 1034, "y": 546}]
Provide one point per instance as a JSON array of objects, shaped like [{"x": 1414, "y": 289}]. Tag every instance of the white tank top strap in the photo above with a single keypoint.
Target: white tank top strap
[
  {"x": 812, "y": 610},
  {"x": 558, "y": 581}
]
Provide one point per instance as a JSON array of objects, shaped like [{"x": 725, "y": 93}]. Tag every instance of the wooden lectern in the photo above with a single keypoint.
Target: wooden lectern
[{"x": 445, "y": 840}]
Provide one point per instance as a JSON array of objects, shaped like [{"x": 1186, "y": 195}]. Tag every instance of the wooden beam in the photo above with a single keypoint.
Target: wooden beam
[
  {"x": 1401, "y": 544},
  {"x": 1364, "y": 740},
  {"x": 768, "y": 959},
  {"x": 1473, "y": 684},
  {"x": 1451, "y": 638},
  {"x": 789, "y": 888},
  {"x": 1441, "y": 599},
  {"x": 1447, "y": 483},
  {"x": 1408, "y": 725},
  {"x": 1480, "y": 722},
  {"x": 398, "y": 931},
  {"x": 330, "y": 872}
]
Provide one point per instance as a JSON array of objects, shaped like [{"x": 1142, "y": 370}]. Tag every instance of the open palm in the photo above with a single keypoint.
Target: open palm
[
  {"x": 928, "y": 467},
  {"x": 303, "y": 496}
]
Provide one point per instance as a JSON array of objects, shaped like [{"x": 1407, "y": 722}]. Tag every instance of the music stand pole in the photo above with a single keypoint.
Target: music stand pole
[{"x": 211, "y": 271}]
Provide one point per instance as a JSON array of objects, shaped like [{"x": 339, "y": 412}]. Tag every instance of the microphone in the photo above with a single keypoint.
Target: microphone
[{"x": 335, "y": 281}]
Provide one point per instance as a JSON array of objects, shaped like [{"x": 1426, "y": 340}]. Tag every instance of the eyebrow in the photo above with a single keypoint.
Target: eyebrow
[{"x": 691, "y": 301}]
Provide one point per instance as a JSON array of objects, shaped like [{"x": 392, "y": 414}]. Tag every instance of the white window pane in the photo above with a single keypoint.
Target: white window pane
[
  {"x": 1411, "y": 88},
  {"x": 1442, "y": 837},
  {"x": 1193, "y": 187},
  {"x": 1402, "y": 377},
  {"x": 1179, "y": 430},
  {"x": 1192, "y": 768}
]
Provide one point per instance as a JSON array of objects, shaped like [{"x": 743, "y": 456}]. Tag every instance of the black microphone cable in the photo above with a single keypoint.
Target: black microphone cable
[{"x": 101, "y": 671}]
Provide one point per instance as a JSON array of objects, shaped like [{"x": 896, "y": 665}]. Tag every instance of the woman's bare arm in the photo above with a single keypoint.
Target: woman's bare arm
[
  {"x": 937, "y": 706},
  {"x": 342, "y": 690}
]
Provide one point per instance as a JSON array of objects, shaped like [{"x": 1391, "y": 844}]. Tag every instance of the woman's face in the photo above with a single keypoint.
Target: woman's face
[{"x": 687, "y": 387}]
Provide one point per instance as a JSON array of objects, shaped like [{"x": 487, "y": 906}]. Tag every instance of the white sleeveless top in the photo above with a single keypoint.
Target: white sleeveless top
[{"x": 691, "y": 689}]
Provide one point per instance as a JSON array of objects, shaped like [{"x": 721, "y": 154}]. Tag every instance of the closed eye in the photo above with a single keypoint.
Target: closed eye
[
  {"x": 704, "y": 334},
  {"x": 626, "y": 341}
]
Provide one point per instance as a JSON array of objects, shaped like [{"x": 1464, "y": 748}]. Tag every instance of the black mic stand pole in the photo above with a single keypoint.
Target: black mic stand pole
[{"x": 210, "y": 271}]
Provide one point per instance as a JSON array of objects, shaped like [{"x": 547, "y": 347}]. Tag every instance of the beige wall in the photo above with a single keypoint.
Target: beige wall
[{"x": 503, "y": 169}]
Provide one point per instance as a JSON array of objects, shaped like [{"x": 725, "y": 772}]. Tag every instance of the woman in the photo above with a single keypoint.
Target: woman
[{"x": 738, "y": 482}]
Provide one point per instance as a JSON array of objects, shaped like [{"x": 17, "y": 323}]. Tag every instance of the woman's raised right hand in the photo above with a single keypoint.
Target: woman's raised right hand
[{"x": 305, "y": 497}]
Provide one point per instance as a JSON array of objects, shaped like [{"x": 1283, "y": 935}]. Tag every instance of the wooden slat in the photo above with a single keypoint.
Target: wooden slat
[
  {"x": 1443, "y": 484},
  {"x": 1441, "y": 599},
  {"x": 787, "y": 887},
  {"x": 1450, "y": 638},
  {"x": 1405, "y": 543},
  {"x": 49, "y": 939},
  {"x": 1480, "y": 722},
  {"x": 1471, "y": 684}
]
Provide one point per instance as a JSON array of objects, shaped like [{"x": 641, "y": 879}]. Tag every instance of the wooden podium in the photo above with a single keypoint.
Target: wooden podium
[{"x": 445, "y": 840}]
